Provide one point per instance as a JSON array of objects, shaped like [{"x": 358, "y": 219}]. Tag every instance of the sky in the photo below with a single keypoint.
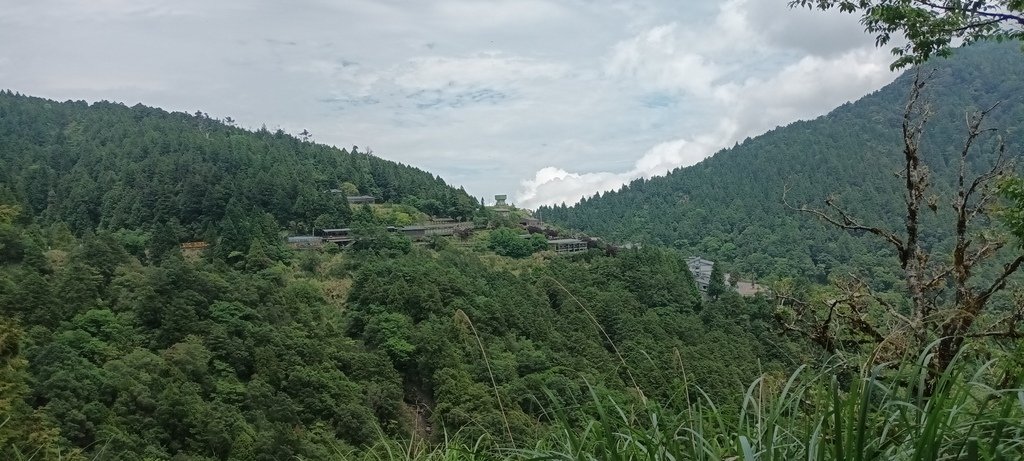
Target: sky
[{"x": 544, "y": 100}]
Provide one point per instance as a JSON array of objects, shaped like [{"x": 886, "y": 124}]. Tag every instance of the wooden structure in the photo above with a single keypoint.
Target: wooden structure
[
  {"x": 200, "y": 245},
  {"x": 564, "y": 246},
  {"x": 341, "y": 236}
]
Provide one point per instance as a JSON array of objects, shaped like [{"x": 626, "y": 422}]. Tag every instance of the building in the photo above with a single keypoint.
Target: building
[
  {"x": 342, "y": 236},
  {"x": 562, "y": 246},
  {"x": 530, "y": 221},
  {"x": 414, "y": 232},
  {"x": 500, "y": 207},
  {"x": 361, "y": 200},
  {"x": 445, "y": 228},
  {"x": 301, "y": 242},
  {"x": 701, "y": 270}
]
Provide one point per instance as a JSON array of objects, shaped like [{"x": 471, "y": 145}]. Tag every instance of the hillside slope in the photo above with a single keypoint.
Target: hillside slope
[
  {"x": 729, "y": 207},
  {"x": 109, "y": 166},
  {"x": 115, "y": 343}
]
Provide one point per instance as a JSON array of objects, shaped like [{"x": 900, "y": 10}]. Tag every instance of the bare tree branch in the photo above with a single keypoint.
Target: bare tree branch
[{"x": 844, "y": 221}]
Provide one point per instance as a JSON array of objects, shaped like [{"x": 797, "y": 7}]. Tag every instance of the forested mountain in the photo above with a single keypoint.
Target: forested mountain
[
  {"x": 117, "y": 344},
  {"x": 730, "y": 208},
  {"x": 108, "y": 166}
]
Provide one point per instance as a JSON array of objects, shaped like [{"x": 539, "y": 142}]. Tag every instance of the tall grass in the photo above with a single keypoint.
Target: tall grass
[{"x": 882, "y": 413}]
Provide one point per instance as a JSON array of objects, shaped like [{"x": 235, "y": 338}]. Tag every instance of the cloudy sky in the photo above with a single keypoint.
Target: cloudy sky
[{"x": 545, "y": 100}]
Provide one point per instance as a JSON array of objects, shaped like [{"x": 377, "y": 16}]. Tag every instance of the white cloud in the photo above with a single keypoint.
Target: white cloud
[
  {"x": 486, "y": 69},
  {"x": 660, "y": 59},
  {"x": 752, "y": 77}
]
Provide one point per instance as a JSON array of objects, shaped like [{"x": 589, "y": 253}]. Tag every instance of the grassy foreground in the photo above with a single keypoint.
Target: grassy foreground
[{"x": 975, "y": 413}]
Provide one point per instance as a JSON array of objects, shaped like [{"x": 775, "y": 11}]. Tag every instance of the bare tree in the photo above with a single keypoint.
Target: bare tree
[{"x": 946, "y": 299}]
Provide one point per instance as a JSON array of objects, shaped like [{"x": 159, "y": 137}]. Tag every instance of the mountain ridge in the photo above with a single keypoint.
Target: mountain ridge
[{"x": 729, "y": 206}]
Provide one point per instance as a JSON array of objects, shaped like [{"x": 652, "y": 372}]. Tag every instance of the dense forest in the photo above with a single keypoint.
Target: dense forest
[
  {"x": 730, "y": 207},
  {"x": 108, "y": 166},
  {"x": 116, "y": 343}
]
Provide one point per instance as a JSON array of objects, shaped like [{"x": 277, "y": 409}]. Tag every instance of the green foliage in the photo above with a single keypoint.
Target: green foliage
[
  {"x": 1012, "y": 189},
  {"x": 115, "y": 344},
  {"x": 508, "y": 242},
  {"x": 813, "y": 415},
  {"x": 130, "y": 356},
  {"x": 716, "y": 284},
  {"x": 105, "y": 165},
  {"x": 930, "y": 28}
]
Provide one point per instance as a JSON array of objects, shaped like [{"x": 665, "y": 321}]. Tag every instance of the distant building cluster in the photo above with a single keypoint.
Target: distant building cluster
[
  {"x": 435, "y": 227},
  {"x": 344, "y": 236}
]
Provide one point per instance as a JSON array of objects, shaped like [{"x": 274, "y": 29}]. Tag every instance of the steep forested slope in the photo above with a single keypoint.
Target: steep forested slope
[
  {"x": 109, "y": 166},
  {"x": 117, "y": 344},
  {"x": 729, "y": 207}
]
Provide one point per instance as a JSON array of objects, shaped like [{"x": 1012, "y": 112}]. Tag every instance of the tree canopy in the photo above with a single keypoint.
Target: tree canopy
[{"x": 930, "y": 27}]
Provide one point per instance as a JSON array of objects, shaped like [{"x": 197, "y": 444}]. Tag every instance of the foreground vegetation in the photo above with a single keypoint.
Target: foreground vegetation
[{"x": 818, "y": 413}]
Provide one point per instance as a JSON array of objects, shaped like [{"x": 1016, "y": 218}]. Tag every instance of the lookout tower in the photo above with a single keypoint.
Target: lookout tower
[{"x": 500, "y": 200}]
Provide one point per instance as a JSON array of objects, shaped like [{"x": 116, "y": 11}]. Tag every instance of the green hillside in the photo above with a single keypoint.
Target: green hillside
[
  {"x": 117, "y": 344},
  {"x": 729, "y": 207},
  {"x": 108, "y": 166}
]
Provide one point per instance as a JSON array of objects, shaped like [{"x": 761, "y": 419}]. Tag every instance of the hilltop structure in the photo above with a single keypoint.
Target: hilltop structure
[{"x": 500, "y": 206}]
